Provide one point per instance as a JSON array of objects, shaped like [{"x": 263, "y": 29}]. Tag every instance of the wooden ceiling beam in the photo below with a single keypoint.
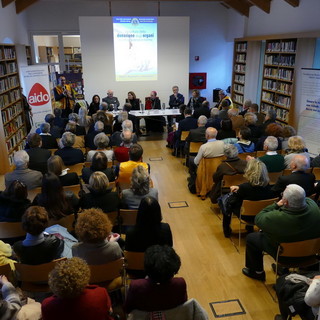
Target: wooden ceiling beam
[
  {"x": 262, "y": 4},
  {"x": 294, "y": 3},
  {"x": 6, "y": 2},
  {"x": 23, "y": 4},
  {"x": 240, "y": 6}
]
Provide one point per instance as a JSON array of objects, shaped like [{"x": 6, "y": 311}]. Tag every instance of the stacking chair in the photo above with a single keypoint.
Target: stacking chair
[
  {"x": 113, "y": 217},
  {"x": 32, "y": 193},
  {"x": 11, "y": 230},
  {"x": 316, "y": 172},
  {"x": 52, "y": 151},
  {"x": 77, "y": 168},
  {"x": 244, "y": 155},
  {"x": 231, "y": 180},
  {"x": 194, "y": 147},
  {"x": 184, "y": 135},
  {"x": 6, "y": 271},
  {"x": 273, "y": 176},
  {"x": 68, "y": 222},
  {"x": 87, "y": 164},
  {"x": 75, "y": 188},
  {"x": 127, "y": 217},
  {"x": 287, "y": 172}
]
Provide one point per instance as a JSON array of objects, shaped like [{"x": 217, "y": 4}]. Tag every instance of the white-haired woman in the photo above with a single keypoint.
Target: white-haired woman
[{"x": 101, "y": 141}]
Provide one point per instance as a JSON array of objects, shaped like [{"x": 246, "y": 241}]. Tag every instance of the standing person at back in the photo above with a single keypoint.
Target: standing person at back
[{"x": 224, "y": 97}]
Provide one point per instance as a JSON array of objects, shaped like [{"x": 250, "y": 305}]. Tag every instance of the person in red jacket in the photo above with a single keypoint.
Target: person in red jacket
[{"x": 73, "y": 298}]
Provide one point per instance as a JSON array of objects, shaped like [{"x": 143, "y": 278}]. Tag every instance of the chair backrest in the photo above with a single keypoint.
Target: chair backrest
[
  {"x": 287, "y": 172},
  {"x": 134, "y": 260},
  {"x": 252, "y": 208},
  {"x": 32, "y": 193},
  {"x": 11, "y": 230},
  {"x": 303, "y": 248},
  {"x": 87, "y": 164},
  {"x": 106, "y": 272},
  {"x": 128, "y": 217},
  {"x": 52, "y": 151},
  {"x": 273, "y": 176},
  {"x": 67, "y": 222},
  {"x": 184, "y": 135},
  {"x": 75, "y": 188},
  {"x": 260, "y": 153},
  {"x": 244, "y": 155},
  {"x": 316, "y": 172},
  {"x": 6, "y": 271},
  {"x": 113, "y": 186},
  {"x": 113, "y": 217},
  {"x": 194, "y": 147},
  {"x": 77, "y": 168},
  {"x": 233, "y": 180}
]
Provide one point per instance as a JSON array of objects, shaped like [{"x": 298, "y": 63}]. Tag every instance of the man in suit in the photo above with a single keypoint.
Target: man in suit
[
  {"x": 31, "y": 178},
  {"x": 236, "y": 119},
  {"x": 116, "y": 138},
  {"x": 247, "y": 104},
  {"x": 214, "y": 121},
  {"x": 55, "y": 131},
  {"x": 58, "y": 120},
  {"x": 204, "y": 110},
  {"x": 223, "y": 114},
  {"x": 271, "y": 117},
  {"x": 89, "y": 138},
  {"x": 293, "y": 218},
  {"x": 37, "y": 157},
  {"x": 113, "y": 102},
  {"x": 48, "y": 141},
  {"x": 298, "y": 165},
  {"x": 254, "y": 108},
  {"x": 175, "y": 100}
]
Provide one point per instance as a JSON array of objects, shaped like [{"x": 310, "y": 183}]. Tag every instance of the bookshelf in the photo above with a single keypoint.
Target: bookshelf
[
  {"x": 239, "y": 72},
  {"x": 278, "y": 77},
  {"x": 73, "y": 58},
  {"x": 12, "y": 123}
]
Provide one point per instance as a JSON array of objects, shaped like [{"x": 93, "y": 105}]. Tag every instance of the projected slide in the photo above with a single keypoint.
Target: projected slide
[{"x": 135, "y": 48}]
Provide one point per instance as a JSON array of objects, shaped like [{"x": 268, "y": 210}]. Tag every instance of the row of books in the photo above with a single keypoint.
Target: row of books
[
  {"x": 282, "y": 74},
  {"x": 238, "y": 87},
  {"x": 241, "y": 57},
  {"x": 281, "y": 87},
  {"x": 10, "y": 113},
  {"x": 281, "y": 46},
  {"x": 240, "y": 68},
  {"x": 281, "y": 113},
  {"x": 12, "y": 126},
  {"x": 10, "y": 97},
  {"x": 268, "y": 96},
  {"x": 241, "y": 46},
  {"x": 7, "y": 83},
  {"x": 16, "y": 139},
  {"x": 238, "y": 98},
  {"x": 283, "y": 101},
  {"x": 239, "y": 78},
  {"x": 7, "y": 53},
  {"x": 279, "y": 60}
]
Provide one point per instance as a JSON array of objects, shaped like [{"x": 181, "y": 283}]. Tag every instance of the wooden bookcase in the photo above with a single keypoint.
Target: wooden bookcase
[
  {"x": 73, "y": 58},
  {"x": 12, "y": 123},
  {"x": 239, "y": 72},
  {"x": 278, "y": 77}
]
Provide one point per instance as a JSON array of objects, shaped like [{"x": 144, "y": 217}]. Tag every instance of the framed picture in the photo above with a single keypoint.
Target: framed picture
[{"x": 198, "y": 80}]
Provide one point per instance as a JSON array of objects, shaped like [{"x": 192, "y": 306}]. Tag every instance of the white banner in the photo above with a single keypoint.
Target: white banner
[
  {"x": 35, "y": 83},
  {"x": 309, "y": 119}
]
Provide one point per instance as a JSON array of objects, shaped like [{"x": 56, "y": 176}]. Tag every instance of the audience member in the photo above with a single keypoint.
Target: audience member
[
  {"x": 250, "y": 121},
  {"x": 73, "y": 297},
  {"x": 48, "y": 141},
  {"x": 139, "y": 189},
  {"x": 223, "y": 114},
  {"x": 270, "y": 117},
  {"x": 89, "y": 138},
  {"x": 55, "y": 130},
  {"x": 149, "y": 230},
  {"x": 118, "y": 120},
  {"x": 101, "y": 141},
  {"x": 121, "y": 153},
  {"x": 299, "y": 164},
  {"x": 37, "y": 156},
  {"x": 273, "y": 129},
  {"x": 226, "y": 130},
  {"x": 56, "y": 166},
  {"x": 58, "y": 120},
  {"x": 38, "y": 247},
  {"x": 84, "y": 119},
  {"x": 78, "y": 140},
  {"x": 116, "y": 138},
  {"x": 245, "y": 144},
  {"x": 99, "y": 163},
  {"x": 111, "y": 100},
  {"x": 293, "y": 218},
  {"x": 195, "y": 100},
  {"x": 80, "y": 130},
  {"x": 100, "y": 195},
  {"x": 257, "y": 188},
  {"x": 204, "y": 110},
  {"x": 31, "y": 178},
  {"x": 232, "y": 165},
  {"x": 68, "y": 154},
  {"x": 160, "y": 290},
  {"x": 236, "y": 119},
  {"x": 94, "y": 105},
  {"x": 246, "y": 106},
  {"x": 105, "y": 118},
  {"x": 224, "y": 97},
  {"x": 198, "y": 134},
  {"x": 254, "y": 108},
  {"x": 97, "y": 245},
  {"x": 288, "y": 132},
  {"x": 13, "y": 202},
  {"x": 214, "y": 121},
  {"x": 296, "y": 145}
]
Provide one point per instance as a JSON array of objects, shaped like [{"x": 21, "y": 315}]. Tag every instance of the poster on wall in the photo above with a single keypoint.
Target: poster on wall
[
  {"x": 35, "y": 83},
  {"x": 309, "y": 119}
]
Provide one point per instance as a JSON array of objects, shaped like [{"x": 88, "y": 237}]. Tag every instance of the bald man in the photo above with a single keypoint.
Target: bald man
[
  {"x": 299, "y": 164},
  {"x": 112, "y": 102},
  {"x": 121, "y": 153}
]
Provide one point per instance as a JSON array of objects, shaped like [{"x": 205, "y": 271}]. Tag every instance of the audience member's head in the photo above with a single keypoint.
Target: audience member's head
[
  {"x": 45, "y": 127},
  {"x": 202, "y": 121},
  {"x": 214, "y": 113},
  {"x": 247, "y": 104},
  {"x": 187, "y": 112},
  {"x": 126, "y": 137},
  {"x": 127, "y": 125},
  {"x": 149, "y": 213},
  {"x": 101, "y": 116},
  {"x": 140, "y": 181},
  {"x": 69, "y": 278},
  {"x": 49, "y": 118},
  {"x": 68, "y": 139},
  {"x": 270, "y": 144},
  {"x": 271, "y": 115},
  {"x": 101, "y": 141},
  {"x": 99, "y": 126},
  {"x": 135, "y": 152},
  {"x": 122, "y": 116},
  {"x": 182, "y": 108},
  {"x": 233, "y": 112},
  {"x": 103, "y": 106},
  {"x": 274, "y": 129},
  {"x": 211, "y": 133},
  {"x": 206, "y": 104},
  {"x": 226, "y": 125},
  {"x": 296, "y": 143},
  {"x": 222, "y": 94},
  {"x": 294, "y": 197},
  {"x": 225, "y": 104},
  {"x": 99, "y": 161},
  {"x": 35, "y": 220},
  {"x": 256, "y": 173},
  {"x": 245, "y": 133},
  {"x": 71, "y": 127},
  {"x": 98, "y": 181},
  {"x": 16, "y": 190},
  {"x": 289, "y": 131},
  {"x": 127, "y": 107},
  {"x": 73, "y": 117},
  {"x": 254, "y": 108},
  {"x": 299, "y": 163},
  {"x": 83, "y": 112},
  {"x": 34, "y": 140},
  {"x": 230, "y": 151},
  {"x": 57, "y": 112},
  {"x": 93, "y": 226},
  {"x": 250, "y": 119},
  {"x": 161, "y": 263},
  {"x": 55, "y": 165},
  {"x": 21, "y": 159}
]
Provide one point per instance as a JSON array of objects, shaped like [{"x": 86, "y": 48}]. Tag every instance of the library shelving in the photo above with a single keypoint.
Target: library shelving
[
  {"x": 12, "y": 123},
  {"x": 239, "y": 72},
  {"x": 278, "y": 77},
  {"x": 73, "y": 59}
]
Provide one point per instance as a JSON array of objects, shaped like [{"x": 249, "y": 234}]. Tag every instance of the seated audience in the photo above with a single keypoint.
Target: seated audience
[
  {"x": 79, "y": 140},
  {"x": 198, "y": 134},
  {"x": 48, "y": 141},
  {"x": 97, "y": 245},
  {"x": 73, "y": 297},
  {"x": 214, "y": 121},
  {"x": 250, "y": 121},
  {"x": 246, "y": 106},
  {"x": 124, "y": 170},
  {"x": 100, "y": 195},
  {"x": 232, "y": 165},
  {"x": 140, "y": 188},
  {"x": 293, "y": 218},
  {"x": 135, "y": 120},
  {"x": 101, "y": 141},
  {"x": 299, "y": 164},
  {"x": 68, "y": 154},
  {"x": 13, "y": 202},
  {"x": 116, "y": 138},
  {"x": 80, "y": 130},
  {"x": 99, "y": 163},
  {"x": 38, "y": 247},
  {"x": 226, "y": 130},
  {"x": 31, "y": 178},
  {"x": 245, "y": 144},
  {"x": 203, "y": 110},
  {"x": 273, "y": 129},
  {"x": 55, "y": 130},
  {"x": 121, "y": 153},
  {"x": 223, "y": 114},
  {"x": 296, "y": 145},
  {"x": 288, "y": 132},
  {"x": 37, "y": 156},
  {"x": 254, "y": 108},
  {"x": 160, "y": 290},
  {"x": 270, "y": 117},
  {"x": 236, "y": 119},
  {"x": 94, "y": 105},
  {"x": 89, "y": 138},
  {"x": 84, "y": 119},
  {"x": 54, "y": 199},
  {"x": 273, "y": 161},
  {"x": 149, "y": 230},
  {"x": 58, "y": 120},
  {"x": 257, "y": 188},
  {"x": 118, "y": 120},
  {"x": 56, "y": 166},
  {"x": 105, "y": 118}
]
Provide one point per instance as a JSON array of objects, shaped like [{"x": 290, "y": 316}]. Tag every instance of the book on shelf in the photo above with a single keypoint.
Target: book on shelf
[
  {"x": 238, "y": 87},
  {"x": 241, "y": 46},
  {"x": 281, "y": 46},
  {"x": 240, "y": 68},
  {"x": 241, "y": 57},
  {"x": 10, "y": 113}
]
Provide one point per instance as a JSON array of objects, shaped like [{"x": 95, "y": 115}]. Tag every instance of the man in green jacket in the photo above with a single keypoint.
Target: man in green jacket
[{"x": 293, "y": 218}]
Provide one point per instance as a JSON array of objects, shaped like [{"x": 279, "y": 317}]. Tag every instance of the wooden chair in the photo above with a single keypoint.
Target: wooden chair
[
  {"x": 273, "y": 176},
  {"x": 87, "y": 164},
  {"x": 108, "y": 275},
  {"x": 7, "y": 271},
  {"x": 32, "y": 193},
  {"x": 316, "y": 172},
  {"x": 184, "y": 135},
  {"x": 194, "y": 147},
  {"x": 231, "y": 180},
  {"x": 244, "y": 155},
  {"x": 34, "y": 278},
  {"x": 113, "y": 217},
  {"x": 127, "y": 217},
  {"x": 52, "y": 151},
  {"x": 77, "y": 168},
  {"x": 11, "y": 230},
  {"x": 75, "y": 188},
  {"x": 113, "y": 186},
  {"x": 204, "y": 182},
  {"x": 287, "y": 172},
  {"x": 134, "y": 266},
  {"x": 68, "y": 222}
]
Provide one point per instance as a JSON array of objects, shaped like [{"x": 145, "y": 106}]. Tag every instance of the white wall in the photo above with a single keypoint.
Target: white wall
[{"x": 98, "y": 59}]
